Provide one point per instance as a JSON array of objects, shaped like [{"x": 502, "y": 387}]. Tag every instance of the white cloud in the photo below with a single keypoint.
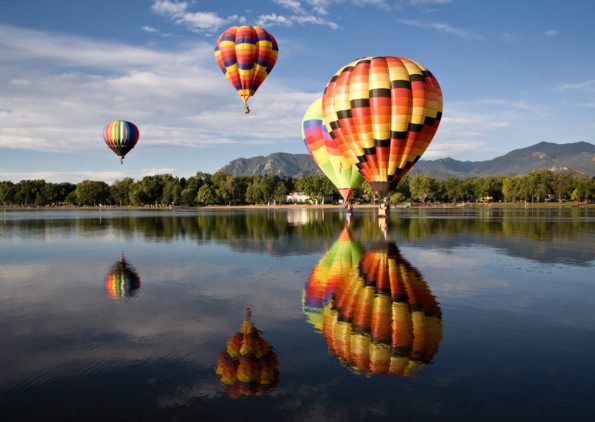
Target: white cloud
[
  {"x": 507, "y": 36},
  {"x": 551, "y": 33},
  {"x": 293, "y": 5},
  {"x": 584, "y": 86},
  {"x": 149, "y": 29},
  {"x": 177, "y": 98},
  {"x": 195, "y": 21},
  {"x": 430, "y": 1},
  {"x": 274, "y": 19},
  {"x": 444, "y": 27}
]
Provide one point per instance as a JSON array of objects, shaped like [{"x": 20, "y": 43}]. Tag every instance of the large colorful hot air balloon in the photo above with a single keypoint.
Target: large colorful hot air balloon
[
  {"x": 122, "y": 281},
  {"x": 246, "y": 55},
  {"x": 382, "y": 318},
  {"x": 326, "y": 152},
  {"x": 383, "y": 113},
  {"x": 333, "y": 268},
  {"x": 248, "y": 366},
  {"x": 121, "y": 137}
]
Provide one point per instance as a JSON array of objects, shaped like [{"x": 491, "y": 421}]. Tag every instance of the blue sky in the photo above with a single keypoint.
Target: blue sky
[{"x": 513, "y": 73}]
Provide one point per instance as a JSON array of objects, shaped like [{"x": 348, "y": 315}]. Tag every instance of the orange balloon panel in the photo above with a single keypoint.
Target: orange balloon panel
[{"x": 383, "y": 112}]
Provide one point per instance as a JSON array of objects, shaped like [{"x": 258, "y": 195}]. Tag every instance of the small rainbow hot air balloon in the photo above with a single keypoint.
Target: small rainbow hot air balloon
[
  {"x": 246, "y": 55},
  {"x": 249, "y": 365},
  {"x": 326, "y": 152},
  {"x": 383, "y": 319},
  {"x": 333, "y": 268},
  {"x": 121, "y": 137},
  {"x": 383, "y": 112},
  {"x": 122, "y": 281}
]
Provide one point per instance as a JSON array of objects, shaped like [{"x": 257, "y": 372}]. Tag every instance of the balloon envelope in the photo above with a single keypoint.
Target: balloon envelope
[
  {"x": 326, "y": 152},
  {"x": 121, "y": 136},
  {"x": 246, "y": 55},
  {"x": 383, "y": 112}
]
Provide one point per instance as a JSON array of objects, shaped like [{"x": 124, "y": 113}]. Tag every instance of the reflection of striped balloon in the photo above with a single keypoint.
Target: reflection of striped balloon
[
  {"x": 248, "y": 366},
  {"x": 332, "y": 269},
  {"x": 383, "y": 112},
  {"x": 326, "y": 152},
  {"x": 383, "y": 319},
  {"x": 121, "y": 137},
  {"x": 246, "y": 55},
  {"x": 122, "y": 281}
]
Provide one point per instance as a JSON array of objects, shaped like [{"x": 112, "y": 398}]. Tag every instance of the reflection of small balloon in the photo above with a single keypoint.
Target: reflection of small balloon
[
  {"x": 246, "y": 55},
  {"x": 248, "y": 366},
  {"x": 121, "y": 137},
  {"x": 326, "y": 152},
  {"x": 383, "y": 112},
  {"x": 382, "y": 318},
  {"x": 330, "y": 271},
  {"x": 122, "y": 281}
]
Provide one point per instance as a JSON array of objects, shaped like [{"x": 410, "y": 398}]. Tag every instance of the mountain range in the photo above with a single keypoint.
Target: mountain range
[{"x": 579, "y": 156}]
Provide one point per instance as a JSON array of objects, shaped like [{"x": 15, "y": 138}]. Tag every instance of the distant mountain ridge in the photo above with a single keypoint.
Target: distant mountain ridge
[{"x": 579, "y": 156}]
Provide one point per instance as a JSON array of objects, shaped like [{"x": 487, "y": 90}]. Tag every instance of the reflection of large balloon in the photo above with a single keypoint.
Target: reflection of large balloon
[
  {"x": 382, "y": 318},
  {"x": 331, "y": 270},
  {"x": 246, "y": 55},
  {"x": 383, "y": 112},
  {"x": 121, "y": 137},
  {"x": 326, "y": 153},
  {"x": 122, "y": 281},
  {"x": 248, "y": 366}
]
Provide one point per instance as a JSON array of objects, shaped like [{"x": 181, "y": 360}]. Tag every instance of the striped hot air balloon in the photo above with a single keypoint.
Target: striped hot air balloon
[
  {"x": 246, "y": 55},
  {"x": 326, "y": 152},
  {"x": 122, "y": 281},
  {"x": 331, "y": 271},
  {"x": 249, "y": 365},
  {"x": 383, "y": 112},
  {"x": 121, "y": 137},
  {"x": 383, "y": 319}
]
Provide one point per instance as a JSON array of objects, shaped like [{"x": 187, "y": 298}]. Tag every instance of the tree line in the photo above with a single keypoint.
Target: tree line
[{"x": 223, "y": 188}]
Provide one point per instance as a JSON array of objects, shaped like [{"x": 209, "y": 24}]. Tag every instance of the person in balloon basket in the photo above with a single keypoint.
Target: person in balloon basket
[{"x": 349, "y": 208}]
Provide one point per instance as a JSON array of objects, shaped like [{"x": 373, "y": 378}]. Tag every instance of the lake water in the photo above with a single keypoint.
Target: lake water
[{"x": 441, "y": 315}]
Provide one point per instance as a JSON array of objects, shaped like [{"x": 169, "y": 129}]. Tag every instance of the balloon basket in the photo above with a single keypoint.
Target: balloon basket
[{"x": 246, "y": 109}]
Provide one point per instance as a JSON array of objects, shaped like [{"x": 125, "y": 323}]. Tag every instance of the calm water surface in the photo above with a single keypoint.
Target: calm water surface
[{"x": 443, "y": 315}]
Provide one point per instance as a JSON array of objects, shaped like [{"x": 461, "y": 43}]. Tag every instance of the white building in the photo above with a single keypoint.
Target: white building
[{"x": 297, "y": 196}]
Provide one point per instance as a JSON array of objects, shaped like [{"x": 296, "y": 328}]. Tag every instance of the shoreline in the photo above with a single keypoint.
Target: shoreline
[{"x": 507, "y": 205}]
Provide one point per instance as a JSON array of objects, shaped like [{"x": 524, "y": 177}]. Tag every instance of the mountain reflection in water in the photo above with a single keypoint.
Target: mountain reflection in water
[{"x": 376, "y": 312}]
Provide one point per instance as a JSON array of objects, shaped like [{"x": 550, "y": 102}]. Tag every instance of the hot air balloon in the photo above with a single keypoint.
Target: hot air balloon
[
  {"x": 333, "y": 268},
  {"x": 246, "y": 55},
  {"x": 383, "y": 319},
  {"x": 249, "y": 365},
  {"x": 326, "y": 152},
  {"x": 383, "y": 112},
  {"x": 121, "y": 137},
  {"x": 122, "y": 281}
]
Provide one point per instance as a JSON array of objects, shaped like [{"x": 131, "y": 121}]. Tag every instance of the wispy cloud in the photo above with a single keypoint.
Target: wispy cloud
[
  {"x": 507, "y": 36},
  {"x": 149, "y": 29},
  {"x": 195, "y": 21},
  {"x": 444, "y": 27},
  {"x": 551, "y": 33},
  {"x": 424, "y": 2},
  {"x": 584, "y": 86}
]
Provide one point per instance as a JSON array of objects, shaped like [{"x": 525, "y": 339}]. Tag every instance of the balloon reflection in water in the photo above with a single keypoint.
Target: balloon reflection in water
[
  {"x": 382, "y": 318},
  {"x": 122, "y": 281},
  {"x": 333, "y": 268},
  {"x": 249, "y": 365}
]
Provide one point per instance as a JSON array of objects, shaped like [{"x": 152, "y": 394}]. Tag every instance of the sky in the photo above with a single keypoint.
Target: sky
[{"x": 513, "y": 73}]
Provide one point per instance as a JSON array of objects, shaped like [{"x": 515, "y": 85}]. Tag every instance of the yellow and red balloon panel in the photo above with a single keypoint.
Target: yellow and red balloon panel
[{"x": 383, "y": 112}]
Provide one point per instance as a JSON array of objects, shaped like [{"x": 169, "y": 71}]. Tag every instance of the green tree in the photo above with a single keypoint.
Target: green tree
[
  {"x": 90, "y": 192},
  {"x": 280, "y": 193},
  {"x": 422, "y": 187},
  {"x": 6, "y": 192},
  {"x": 206, "y": 195},
  {"x": 396, "y": 198},
  {"x": 120, "y": 190},
  {"x": 453, "y": 188},
  {"x": 72, "y": 198},
  {"x": 26, "y": 191},
  {"x": 172, "y": 189},
  {"x": 561, "y": 185}
]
